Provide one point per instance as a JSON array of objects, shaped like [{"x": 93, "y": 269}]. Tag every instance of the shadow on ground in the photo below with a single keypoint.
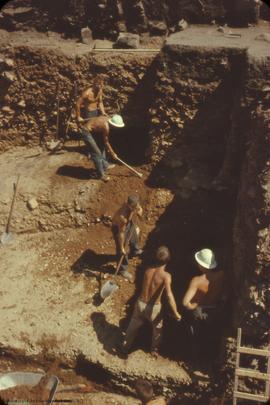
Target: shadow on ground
[
  {"x": 108, "y": 334},
  {"x": 77, "y": 172}
]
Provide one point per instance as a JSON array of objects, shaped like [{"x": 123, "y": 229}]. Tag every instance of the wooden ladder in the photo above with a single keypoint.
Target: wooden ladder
[{"x": 247, "y": 372}]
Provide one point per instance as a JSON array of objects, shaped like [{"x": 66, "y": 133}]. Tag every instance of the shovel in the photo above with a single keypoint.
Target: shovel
[
  {"x": 129, "y": 167},
  {"x": 6, "y": 236},
  {"x": 110, "y": 286}
]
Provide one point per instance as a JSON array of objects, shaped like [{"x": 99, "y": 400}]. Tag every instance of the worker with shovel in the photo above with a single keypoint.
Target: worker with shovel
[
  {"x": 95, "y": 133},
  {"x": 124, "y": 229},
  {"x": 148, "y": 306}
]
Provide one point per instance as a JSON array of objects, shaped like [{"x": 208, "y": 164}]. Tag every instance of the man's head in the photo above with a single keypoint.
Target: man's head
[
  {"x": 133, "y": 201},
  {"x": 163, "y": 255},
  {"x": 117, "y": 121},
  {"x": 144, "y": 390},
  {"x": 206, "y": 259},
  {"x": 98, "y": 82}
]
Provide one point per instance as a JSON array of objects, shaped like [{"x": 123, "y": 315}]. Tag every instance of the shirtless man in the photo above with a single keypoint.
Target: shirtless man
[
  {"x": 123, "y": 223},
  {"x": 90, "y": 102},
  {"x": 204, "y": 291},
  {"x": 204, "y": 296},
  {"x": 145, "y": 393},
  {"x": 95, "y": 134},
  {"x": 148, "y": 306}
]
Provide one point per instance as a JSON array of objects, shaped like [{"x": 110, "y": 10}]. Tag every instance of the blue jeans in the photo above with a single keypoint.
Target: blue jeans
[
  {"x": 90, "y": 114},
  {"x": 98, "y": 156},
  {"x": 133, "y": 244}
]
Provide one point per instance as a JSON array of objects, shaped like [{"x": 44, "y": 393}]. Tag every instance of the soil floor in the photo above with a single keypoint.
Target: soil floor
[{"x": 50, "y": 285}]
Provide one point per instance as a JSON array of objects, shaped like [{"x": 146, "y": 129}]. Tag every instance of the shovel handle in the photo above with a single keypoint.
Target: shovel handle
[
  {"x": 129, "y": 167},
  {"x": 119, "y": 264},
  {"x": 15, "y": 185},
  {"x": 126, "y": 243}
]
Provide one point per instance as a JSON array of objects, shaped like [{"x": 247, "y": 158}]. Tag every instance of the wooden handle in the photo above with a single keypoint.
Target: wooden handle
[
  {"x": 126, "y": 243},
  {"x": 129, "y": 167},
  {"x": 15, "y": 185}
]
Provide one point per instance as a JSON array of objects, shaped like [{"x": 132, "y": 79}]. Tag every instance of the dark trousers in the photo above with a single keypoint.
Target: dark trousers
[
  {"x": 205, "y": 333},
  {"x": 90, "y": 114},
  {"x": 98, "y": 154},
  {"x": 133, "y": 244}
]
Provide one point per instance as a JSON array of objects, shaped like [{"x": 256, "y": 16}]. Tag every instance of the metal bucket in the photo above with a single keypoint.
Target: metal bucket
[{"x": 16, "y": 379}]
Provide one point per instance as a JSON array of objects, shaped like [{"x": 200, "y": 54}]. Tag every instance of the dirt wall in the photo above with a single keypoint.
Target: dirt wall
[
  {"x": 31, "y": 78},
  {"x": 251, "y": 228}
]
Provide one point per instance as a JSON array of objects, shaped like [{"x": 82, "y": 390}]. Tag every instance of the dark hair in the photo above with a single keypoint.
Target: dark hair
[
  {"x": 98, "y": 80},
  {"x": 163, "y": 255},
  {"x": 133, "y": 200},
  {"x": 144, "y": 390}
]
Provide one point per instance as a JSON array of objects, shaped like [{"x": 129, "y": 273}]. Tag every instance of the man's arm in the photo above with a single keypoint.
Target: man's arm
[
  {"x": 170, "y": 296},
  {"x": 191, "y": 291},
  {"x": 139, "y": 211},
  {"x": 105, "y": 134}
]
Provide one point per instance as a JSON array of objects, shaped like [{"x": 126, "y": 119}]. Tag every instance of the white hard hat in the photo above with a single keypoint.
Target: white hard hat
[
  {"x": 206, "y": 258},
  {"x": 117, "y": 121}
]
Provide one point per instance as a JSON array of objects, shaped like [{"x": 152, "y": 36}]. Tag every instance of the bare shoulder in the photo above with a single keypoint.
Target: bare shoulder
[{"x": 167, "y": 277}]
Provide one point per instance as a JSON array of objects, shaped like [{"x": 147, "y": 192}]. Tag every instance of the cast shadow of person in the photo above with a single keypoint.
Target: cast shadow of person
[
  {"x": 77, "y": 172},
  {"x": 109, "y": 335},
  {"x": 92, "y": 264}
]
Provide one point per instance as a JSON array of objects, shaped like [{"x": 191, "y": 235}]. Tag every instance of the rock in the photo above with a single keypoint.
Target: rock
[
  {"x": 32, "y": 204},
  {"x": 221, "y": 29},
  {"x": 87, "y": 37},
  {"x": 127, "y": 40},
  {"x": 8, "y": 110},
  {"x": 157, "y": 28},
  {"x": 21, "y": 103},
  {"x": 103, "y": 44},
  {"x": 9, "y": 76},
  {"x": 17, "y": 12},
  {"x": 263, "y": 37},
  {"x": 182, "y": 25},
  {"x": 9, "y": 62}
]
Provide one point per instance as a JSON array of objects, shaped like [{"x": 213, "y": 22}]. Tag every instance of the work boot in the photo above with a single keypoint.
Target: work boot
[
  {"x": 138, "y": 252},
  {"x": 126, "y": 275},
  {"x": 110, "y": 166},
  {"x": 105, "y": 178}
]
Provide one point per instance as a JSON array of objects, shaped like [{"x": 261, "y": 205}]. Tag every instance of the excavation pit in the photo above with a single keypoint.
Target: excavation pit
[{"x": 193, "y": 126}]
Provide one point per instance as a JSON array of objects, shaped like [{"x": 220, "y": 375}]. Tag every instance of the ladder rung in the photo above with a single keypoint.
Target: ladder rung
[
  {"x": 250, "y": 350},
  {"x": 245, "y": 395},
  {"x": 247, "y": 372}
]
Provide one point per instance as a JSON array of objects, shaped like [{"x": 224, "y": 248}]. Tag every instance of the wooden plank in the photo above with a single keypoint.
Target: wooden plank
[
  {"x": 252, "y": 397},
  {"x": 236, "y": 379},
  {"x": 267, "y": 385},
  {"x": 256, "y": 352},
  {"x": 248, "y": 372}
]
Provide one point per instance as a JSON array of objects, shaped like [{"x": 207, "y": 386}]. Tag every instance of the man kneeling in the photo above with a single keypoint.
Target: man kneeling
[{"x": 148, "y": 306}]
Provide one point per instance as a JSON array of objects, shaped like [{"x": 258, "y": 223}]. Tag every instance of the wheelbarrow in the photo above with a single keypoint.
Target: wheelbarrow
[{"x": 18, "y": 379}]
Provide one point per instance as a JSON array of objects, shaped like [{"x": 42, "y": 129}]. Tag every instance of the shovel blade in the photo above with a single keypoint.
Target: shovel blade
[
  {"x": 5, "y": 238},
  {"x": 108, "y": 289}
]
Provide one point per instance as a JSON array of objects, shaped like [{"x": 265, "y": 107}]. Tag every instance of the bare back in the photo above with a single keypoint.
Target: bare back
[
  {"x": 209, "y": 288},
  {"x": 154, "y": 284}
]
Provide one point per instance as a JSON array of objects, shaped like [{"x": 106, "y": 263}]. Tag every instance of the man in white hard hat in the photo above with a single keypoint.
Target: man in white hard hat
[
  {"x": 205, "y": 292},
  {"x": 95, "y": 134}
]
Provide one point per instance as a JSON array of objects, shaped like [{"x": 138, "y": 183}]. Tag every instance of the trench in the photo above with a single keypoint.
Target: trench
[{"x": 186, "y": 161}]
